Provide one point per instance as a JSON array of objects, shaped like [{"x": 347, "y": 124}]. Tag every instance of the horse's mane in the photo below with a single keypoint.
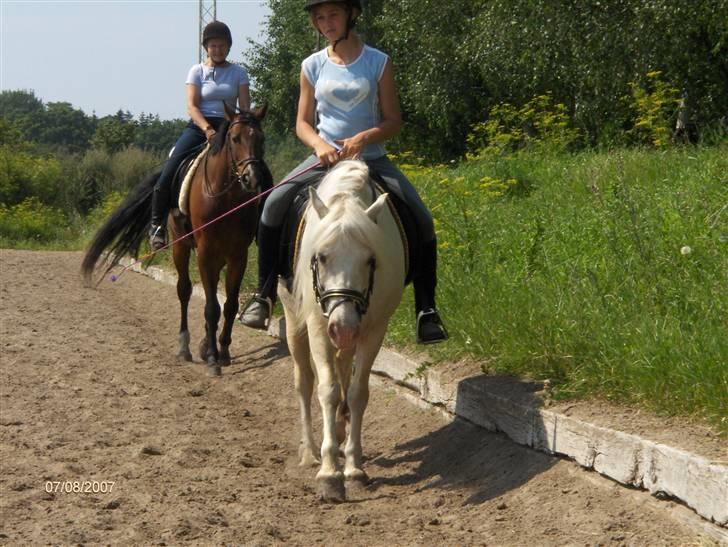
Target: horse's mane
[
  {"x": 346, "y": 221},
  {"x": 218, "y": 142},
  {"x": 346, "y": 218}
]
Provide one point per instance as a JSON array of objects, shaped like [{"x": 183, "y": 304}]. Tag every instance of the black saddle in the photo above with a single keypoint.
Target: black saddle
[{"x": 293, "y": 228}]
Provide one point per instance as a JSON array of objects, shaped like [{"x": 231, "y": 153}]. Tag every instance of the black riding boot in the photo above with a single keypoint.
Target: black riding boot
[
  {"x": 257, "y": 312},
  {"x": 160, "y": 210},
  {"x": 430, "y": 329}
]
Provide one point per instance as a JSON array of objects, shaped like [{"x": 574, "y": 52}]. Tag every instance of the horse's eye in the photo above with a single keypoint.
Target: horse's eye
[{"x": 322, "y": 258}]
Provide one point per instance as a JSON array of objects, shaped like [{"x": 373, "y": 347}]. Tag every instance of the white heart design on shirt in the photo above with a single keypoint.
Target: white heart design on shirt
[{"x": 345, "y": 95}]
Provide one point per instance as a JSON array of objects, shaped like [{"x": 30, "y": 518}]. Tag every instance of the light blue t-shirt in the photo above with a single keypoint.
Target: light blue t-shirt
[
  {"x": 347, "y": 96},
  {"x": 217, "y": 84}
]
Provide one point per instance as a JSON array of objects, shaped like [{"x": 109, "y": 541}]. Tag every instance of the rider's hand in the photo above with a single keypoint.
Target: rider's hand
[
  {"x": 351, "y": 148},
  {"x": 327, "y": 154},
  {"x": 210, "y": 133}
]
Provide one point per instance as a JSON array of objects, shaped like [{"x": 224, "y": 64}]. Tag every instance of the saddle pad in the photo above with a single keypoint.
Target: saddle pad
[{"x": 184, "y": 191}]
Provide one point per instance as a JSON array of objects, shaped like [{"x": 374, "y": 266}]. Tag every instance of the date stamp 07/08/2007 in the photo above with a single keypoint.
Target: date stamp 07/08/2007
[{"x": 79, "y": 487}]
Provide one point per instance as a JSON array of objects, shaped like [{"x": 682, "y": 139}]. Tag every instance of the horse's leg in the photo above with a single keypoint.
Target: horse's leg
[
  {"x": 330, "y": 478},
  {"x": 233, "y": 279},
  {"x": 181, "y": 256},
  {"x": 358, "y": 397},
  {"x": 210, "y": 274},
  {"x": 343, "y": 370},
  {"x": 304, "y": 379}
]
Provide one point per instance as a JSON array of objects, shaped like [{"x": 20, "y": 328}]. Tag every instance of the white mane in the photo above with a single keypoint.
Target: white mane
[{"x": 346, "y": 192}]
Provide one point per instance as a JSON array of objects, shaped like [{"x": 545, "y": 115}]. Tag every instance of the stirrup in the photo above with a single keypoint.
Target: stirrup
[
  {"x": 430, "y": 329},
  {"x": 157, "y": 237},
  {"x": 257, "y": 312}
]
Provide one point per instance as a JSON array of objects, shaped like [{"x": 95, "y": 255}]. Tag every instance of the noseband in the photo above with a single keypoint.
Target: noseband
[{"x": 358, "y": 298}]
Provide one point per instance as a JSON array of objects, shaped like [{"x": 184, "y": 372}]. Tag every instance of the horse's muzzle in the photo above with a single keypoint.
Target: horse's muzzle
[{"x": 343, "y": 336}]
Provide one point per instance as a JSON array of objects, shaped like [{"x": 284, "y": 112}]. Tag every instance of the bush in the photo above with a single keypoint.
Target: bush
[
  {"x": 539, "y": 125},
  {"x": 32, "y": 221},
  {"x": 130, "y": 166},
  {"x": 654, "y": 107},
  {"x": 23, "y": 175}
]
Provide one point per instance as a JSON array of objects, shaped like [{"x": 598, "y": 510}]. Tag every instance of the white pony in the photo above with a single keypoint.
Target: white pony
[{"x": 349, "y": 278}]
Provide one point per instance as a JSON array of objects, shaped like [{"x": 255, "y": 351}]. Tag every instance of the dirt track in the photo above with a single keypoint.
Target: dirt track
[{"x": 90, "y": 391}]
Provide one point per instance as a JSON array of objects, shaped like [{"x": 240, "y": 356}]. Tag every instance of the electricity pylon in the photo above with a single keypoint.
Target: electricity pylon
[{"x": 208, "y": 14}]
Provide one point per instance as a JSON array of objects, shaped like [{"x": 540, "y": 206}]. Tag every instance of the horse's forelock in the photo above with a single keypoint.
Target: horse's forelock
[{"x": 346, "y": 220}]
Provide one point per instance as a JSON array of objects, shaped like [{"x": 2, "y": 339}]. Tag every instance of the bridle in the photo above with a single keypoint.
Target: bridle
[
  {"x": 238, "y": 169},
  {"x": 358, "y": 298}
]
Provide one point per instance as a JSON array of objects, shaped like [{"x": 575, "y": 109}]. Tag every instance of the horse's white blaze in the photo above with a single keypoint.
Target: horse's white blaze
[{"x": 344, "y": 227}]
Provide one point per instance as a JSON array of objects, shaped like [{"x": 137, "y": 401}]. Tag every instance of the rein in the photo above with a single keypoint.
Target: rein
[{"x": 358, "y": 298}]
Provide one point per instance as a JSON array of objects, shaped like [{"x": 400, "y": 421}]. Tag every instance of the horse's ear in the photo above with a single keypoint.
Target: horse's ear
[
  {"x": 229, "y": 112},
  {"x": 318, "y": 205},
  {"x": 376, "y": 208},
  {"x": 261, "y": 111}
]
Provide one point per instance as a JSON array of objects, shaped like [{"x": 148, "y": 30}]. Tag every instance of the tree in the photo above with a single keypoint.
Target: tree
[
  {"x": 114, "y": 132},
  {"x": 157, "y": 135},
  {"x": 24, "y": 110},
  {"x": 65, "y": 127},
  {"x": 275, "y": 65},
  {"x": 456, "y": 60}
]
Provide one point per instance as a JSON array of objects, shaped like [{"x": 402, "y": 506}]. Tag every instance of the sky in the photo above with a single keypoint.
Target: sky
[{"x": 106, "y": 55}]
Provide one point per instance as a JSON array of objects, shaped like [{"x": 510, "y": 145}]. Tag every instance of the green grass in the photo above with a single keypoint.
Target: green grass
[
  {"x": 571, "y": 268},
  {"x": 574, "y": 268}
]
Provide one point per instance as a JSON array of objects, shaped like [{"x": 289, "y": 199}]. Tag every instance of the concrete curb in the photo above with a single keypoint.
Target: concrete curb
[{"x": 625, "y": 458}]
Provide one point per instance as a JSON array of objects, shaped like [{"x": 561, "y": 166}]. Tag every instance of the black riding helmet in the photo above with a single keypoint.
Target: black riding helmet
[
  {"x": 216, "y": 29},
  {"x": 350, "y": 6},
  {"x": 352, "y": 3}
]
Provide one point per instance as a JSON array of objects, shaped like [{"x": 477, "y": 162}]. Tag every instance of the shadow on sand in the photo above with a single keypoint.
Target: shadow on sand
[{"x": 464, "y": 455}]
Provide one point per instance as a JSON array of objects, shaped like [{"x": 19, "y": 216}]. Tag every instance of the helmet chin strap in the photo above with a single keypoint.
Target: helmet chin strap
[{"x": 350, "y": 23}]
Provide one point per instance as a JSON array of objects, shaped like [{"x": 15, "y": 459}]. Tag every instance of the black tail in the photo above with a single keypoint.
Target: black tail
[{"x": 125, "y": 230}]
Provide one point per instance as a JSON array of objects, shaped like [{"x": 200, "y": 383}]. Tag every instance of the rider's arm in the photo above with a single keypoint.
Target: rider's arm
[
  {"x": 244, "y": 97},
  {"x": 193, "y": 109},
  {"x": 305, "y": 130},
  {"x": 390, "y": 121}
]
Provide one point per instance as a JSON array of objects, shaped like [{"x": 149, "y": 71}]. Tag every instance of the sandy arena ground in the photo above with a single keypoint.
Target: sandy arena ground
[{"x": 91, "y": 393}]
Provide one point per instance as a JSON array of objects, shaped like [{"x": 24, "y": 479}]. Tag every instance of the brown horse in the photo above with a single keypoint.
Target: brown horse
[{"x": 232, "y": 172}]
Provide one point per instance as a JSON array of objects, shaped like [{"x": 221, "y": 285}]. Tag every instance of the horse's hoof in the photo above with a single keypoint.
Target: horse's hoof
[
  {"x": 331, "y": 489},
  {"x": 214, "y": 370},
  {"x": 307, "y": 459},
  {"x": 224, "y": 358},
  {"x": 184, "y": 356},
  {"x": 203, "y": 349},
  {"x": 356, "y": 479}
]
